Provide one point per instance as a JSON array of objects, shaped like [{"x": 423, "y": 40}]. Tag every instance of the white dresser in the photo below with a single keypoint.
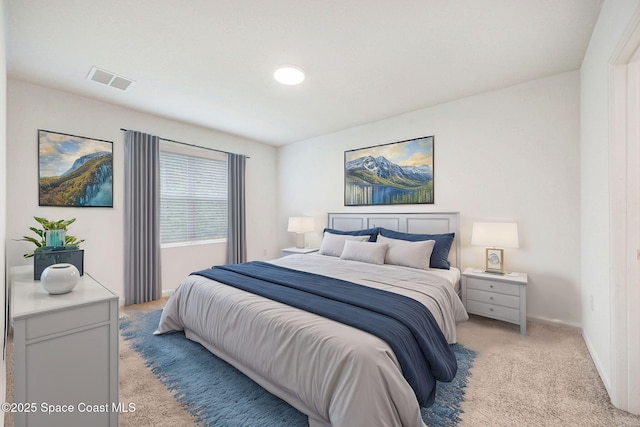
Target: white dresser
[
  {"x": 502, "y": 297},
  {"x": 65, "y": 353}
]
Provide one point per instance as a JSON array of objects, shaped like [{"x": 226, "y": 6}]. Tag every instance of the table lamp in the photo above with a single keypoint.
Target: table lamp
[
  {"x": 495, "y": 236},
  {"x": 300, "y": 225}
]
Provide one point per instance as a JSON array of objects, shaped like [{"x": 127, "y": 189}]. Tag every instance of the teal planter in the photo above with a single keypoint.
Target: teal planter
[{"x": 55, "y": 237}]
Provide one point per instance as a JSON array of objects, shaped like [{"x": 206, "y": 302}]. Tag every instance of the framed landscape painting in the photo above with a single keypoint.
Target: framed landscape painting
[
  {"x": 74, "y": 170},
  {"x": 390, "y": 174}
]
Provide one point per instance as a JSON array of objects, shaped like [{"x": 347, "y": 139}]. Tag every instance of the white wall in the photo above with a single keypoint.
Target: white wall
[
  {"x": 506, "y": 155},
  {"x": 595, "y": 158},
  {"x": 32, "y": 107}
]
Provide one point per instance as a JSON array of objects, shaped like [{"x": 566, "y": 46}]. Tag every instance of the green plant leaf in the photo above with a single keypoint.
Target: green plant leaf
[
  {"x": 44, "y": 222},
  {"x": 37, "y": 231},
  {"x": 32, "y": 240},
  {"x": 72, "y": 240}
]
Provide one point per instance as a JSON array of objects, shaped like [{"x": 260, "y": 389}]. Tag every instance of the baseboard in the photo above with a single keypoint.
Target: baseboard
[
  {"x": 556, "y": 322},
  {"x": 165, "y": 294},
  {"x": 598, "y": 363}
]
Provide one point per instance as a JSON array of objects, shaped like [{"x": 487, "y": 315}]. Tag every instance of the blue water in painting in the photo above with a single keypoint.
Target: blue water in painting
[
  {"x": 383, "y": 195},
  {"x": 104, "y": 195},
  {"x": 372, "y": 194}
]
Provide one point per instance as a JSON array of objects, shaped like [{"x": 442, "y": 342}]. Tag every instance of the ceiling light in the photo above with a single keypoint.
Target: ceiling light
[{"x": 289, "y": 75}]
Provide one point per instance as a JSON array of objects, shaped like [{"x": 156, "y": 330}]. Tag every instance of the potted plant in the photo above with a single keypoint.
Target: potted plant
[{"x": 52, "y": 234}]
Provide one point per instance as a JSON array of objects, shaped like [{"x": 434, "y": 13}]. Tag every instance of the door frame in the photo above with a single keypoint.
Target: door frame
[{"x": 625, "y": 222}]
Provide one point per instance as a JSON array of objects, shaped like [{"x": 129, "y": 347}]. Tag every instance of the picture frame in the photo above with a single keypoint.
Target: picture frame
[
  {"x": 74, "y": 171},
  {"x": 397, "y": 173},
  {"x": 494, "y": 260}
]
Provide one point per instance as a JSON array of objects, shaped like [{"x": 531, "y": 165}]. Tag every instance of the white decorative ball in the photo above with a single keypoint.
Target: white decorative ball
[{"x": 60, "y": 278}]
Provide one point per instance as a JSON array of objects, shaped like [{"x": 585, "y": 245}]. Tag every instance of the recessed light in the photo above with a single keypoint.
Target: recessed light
[{"x": 289, "y": 75}]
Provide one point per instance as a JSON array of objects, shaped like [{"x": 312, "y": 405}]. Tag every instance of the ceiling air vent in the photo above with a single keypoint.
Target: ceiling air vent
[{"x": 110, "y": 79}]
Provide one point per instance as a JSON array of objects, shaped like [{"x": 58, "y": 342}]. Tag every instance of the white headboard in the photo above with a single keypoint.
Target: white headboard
[{"x": 419, "y": 223}]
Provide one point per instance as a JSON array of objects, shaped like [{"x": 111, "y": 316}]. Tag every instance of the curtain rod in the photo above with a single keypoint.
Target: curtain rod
[{"x": 192, "y": 145}]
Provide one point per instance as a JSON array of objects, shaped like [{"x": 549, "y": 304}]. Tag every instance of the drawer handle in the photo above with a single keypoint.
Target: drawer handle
[
  {"x": 491, "y": 286},
  {"x": 491, "y": 298},
  {"x": 491, "y": 309}
]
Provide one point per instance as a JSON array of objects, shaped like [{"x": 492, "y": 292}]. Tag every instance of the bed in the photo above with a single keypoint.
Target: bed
[{"x": 335, "y": 373}]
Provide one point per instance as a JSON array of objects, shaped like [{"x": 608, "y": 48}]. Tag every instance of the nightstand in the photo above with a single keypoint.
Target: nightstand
[
  {"x": 294, "y": 250},
  {"x": 502, "y": 297}
]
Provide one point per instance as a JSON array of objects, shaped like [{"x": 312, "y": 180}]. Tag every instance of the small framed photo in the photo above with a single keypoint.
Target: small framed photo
[{"x": 494, "y": 260}]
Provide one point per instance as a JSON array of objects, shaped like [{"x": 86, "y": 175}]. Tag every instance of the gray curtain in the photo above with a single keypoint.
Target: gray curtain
[
  {"x": 236, "y": 239},
  {"x": 142, "y": 281}
]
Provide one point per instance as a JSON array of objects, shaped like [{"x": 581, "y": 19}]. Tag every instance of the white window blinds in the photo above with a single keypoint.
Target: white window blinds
[{"x": 193, "y": 200}]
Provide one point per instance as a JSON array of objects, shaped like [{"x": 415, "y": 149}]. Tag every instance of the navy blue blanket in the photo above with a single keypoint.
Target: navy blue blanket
[{"x": 405, "y": 324}]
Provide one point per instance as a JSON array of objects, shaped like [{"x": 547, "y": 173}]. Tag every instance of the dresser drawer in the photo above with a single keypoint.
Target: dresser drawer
[
  {"x": 494, "y": 298},
  {"x": 495, "y": 311},
  {"x": 493, "y": 286},
  {"x": 65, "y": 320}
]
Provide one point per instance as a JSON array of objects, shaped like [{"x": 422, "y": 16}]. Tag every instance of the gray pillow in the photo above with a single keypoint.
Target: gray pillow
[
  {"x": 333, "y": 244},
  {"x": 370, "y": 252},
  {"x": 408, "y": 254}
]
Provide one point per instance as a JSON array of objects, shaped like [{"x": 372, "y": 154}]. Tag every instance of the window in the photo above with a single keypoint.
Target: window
[{"x": 193, "y": 197}]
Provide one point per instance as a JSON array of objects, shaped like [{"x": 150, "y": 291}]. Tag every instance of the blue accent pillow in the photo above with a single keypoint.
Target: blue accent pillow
[
  {"x": 371, "y": 232},
  {"x": 440, "y": 254}
]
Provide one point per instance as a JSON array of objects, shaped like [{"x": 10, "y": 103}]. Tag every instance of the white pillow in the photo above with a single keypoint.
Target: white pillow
[
  {"x": 408, "y": 254},
  {"x": 332, "y": 244},
  {"x": 370, "y": 252}
]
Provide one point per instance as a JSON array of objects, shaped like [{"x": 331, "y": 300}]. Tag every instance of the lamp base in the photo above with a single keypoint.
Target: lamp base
[{"x": 300, "y": 240}]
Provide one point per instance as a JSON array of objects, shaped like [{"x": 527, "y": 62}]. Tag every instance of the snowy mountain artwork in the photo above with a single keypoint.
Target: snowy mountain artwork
[
  {"x": 390, "y": 174},
  {"x": 74, "y": 170}
]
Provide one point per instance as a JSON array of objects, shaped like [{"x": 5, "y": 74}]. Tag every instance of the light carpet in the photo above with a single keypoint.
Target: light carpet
[
  {"x": 545, "y": 378},
  {"x": 217, "y": 394}
]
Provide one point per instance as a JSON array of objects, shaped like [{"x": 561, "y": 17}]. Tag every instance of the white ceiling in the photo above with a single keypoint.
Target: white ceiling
[{"x": 210, "y": 62}]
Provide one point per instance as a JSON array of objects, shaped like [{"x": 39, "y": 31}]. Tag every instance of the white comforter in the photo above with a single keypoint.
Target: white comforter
[{"x": 336, "y": 374}]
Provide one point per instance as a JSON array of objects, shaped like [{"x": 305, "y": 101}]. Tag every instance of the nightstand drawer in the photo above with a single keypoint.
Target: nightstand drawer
[
  {"x": 495, "y": 311},
  {"x": 492, "y": 286},
  {"x": 494, "y": 298}
]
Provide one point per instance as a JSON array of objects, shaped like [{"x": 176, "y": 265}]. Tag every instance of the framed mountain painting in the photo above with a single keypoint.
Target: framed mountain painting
[
  {"x": 74, "y": 170},
  {"x": 390, "y": 174}
]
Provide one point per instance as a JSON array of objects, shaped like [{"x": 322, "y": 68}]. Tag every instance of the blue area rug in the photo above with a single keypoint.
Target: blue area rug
[{"x": 217, "y": 394}]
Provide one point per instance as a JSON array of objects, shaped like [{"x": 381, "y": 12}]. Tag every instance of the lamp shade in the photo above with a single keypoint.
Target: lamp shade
[
  {"x": 495, "y": 234},
  {"x": 300, "y": 224}
]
